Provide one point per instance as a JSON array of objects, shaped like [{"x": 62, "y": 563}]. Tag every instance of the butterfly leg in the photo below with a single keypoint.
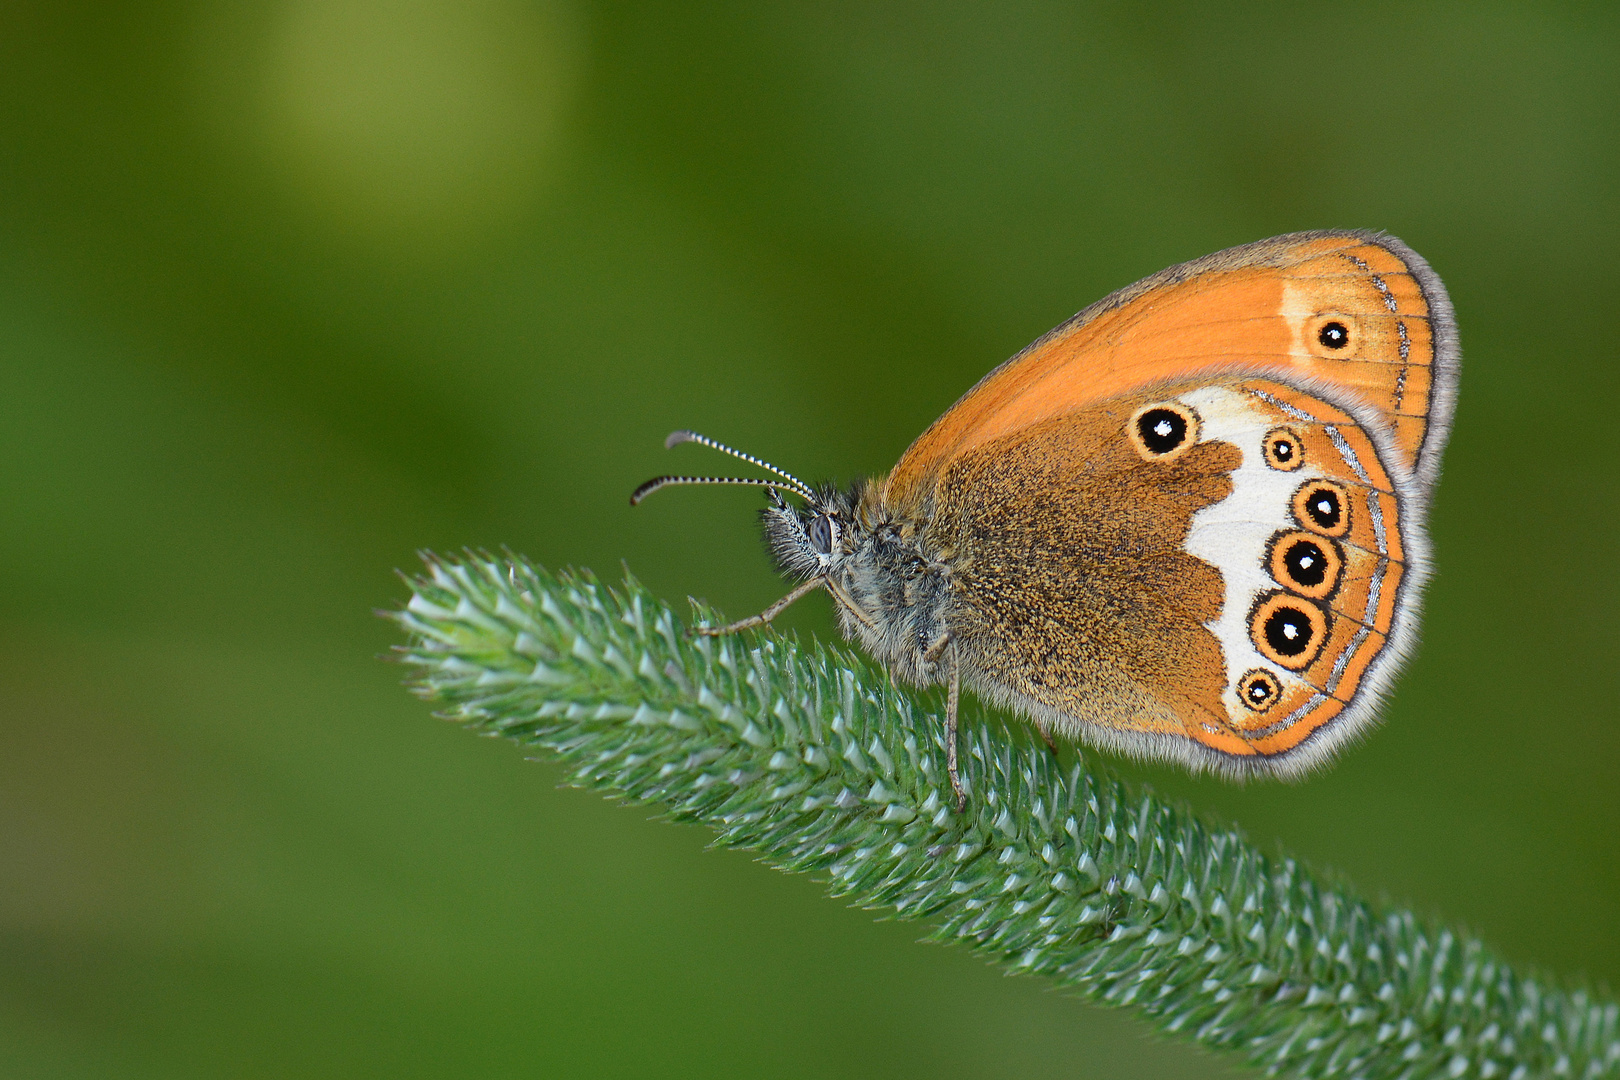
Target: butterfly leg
[
  {"x": 1046, "y": 736},
  {"x": 946, "y": 647},
  {"x": 765, "y": 616},
  {"x": 952, "y": 697},
  {"x": 841, "y": 595}
]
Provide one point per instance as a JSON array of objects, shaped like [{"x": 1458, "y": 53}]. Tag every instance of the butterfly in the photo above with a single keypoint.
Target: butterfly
[{"x": 1187, "y": 524}]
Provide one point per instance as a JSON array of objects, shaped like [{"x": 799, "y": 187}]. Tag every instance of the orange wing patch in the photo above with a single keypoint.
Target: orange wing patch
[{"x": 1357, "y": 311}]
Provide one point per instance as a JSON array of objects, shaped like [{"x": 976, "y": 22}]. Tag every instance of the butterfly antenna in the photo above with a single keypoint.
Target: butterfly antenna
[
  {"x": 670, "y": 481},
  {"x": 678, "y": 437}
]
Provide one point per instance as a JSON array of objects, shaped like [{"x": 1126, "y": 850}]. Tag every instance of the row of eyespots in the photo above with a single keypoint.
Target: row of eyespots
[
  {"x": 1163, "y": 431},
  {"x": 1288, "y": 629}
]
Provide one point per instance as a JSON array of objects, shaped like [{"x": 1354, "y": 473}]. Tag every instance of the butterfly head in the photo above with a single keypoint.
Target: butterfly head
[
  {"x": 815, "y": 540},
  {"x": 821, "y": 538},
  {"x": 808, "y": 541}
]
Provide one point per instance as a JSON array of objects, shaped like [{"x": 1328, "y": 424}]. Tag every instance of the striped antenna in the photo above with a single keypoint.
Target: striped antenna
[
  {"x": 669, "y": 481},
  {"x": 678, "y": 437}
]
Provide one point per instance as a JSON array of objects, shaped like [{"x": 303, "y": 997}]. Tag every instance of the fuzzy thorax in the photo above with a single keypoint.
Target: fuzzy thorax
[{"x": 891, "y": 592}]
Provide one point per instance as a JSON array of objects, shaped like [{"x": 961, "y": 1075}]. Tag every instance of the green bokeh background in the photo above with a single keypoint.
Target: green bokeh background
[{"x": 290, "y": 289}]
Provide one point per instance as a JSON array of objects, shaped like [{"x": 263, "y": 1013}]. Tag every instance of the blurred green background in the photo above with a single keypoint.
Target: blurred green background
[{"x": 291, "y": 289}]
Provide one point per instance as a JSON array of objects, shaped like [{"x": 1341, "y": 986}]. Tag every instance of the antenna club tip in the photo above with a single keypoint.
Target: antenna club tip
[
  {"x": 647, "y": 489},
  {"x": 677, "y": 437}
]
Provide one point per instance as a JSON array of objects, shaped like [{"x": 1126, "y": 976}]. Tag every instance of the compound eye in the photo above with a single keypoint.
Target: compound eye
[{"x": 823, "y": 533}]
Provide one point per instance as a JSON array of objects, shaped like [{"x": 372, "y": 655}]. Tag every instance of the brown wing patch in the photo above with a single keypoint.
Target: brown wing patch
[{"x": 1074, "y": 590}]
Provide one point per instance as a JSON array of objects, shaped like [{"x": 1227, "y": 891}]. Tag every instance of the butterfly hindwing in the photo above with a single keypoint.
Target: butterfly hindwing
[{"x": 1213, "y": 570}]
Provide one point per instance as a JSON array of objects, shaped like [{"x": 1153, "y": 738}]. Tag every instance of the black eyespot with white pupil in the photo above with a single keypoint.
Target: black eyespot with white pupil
[
  {"x": 1288, "y": 631},
  {"x": 1323, "y": 507},
  {"x": 1258, "y": 690},
  {"x": 1334, "y": 335},
  {"x": 1161, "y": 430},
  {"x": 823, "y": 533},
  {"x": 1306, "y": 563},
  {"x": 1284, "y": 450}
]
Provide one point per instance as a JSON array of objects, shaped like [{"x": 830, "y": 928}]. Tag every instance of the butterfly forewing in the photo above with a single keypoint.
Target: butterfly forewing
[{"x": 1354, "y": 310}]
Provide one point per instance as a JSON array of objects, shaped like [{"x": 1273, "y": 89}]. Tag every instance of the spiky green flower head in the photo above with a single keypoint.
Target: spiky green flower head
[{"x": 812, "y": 758}]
